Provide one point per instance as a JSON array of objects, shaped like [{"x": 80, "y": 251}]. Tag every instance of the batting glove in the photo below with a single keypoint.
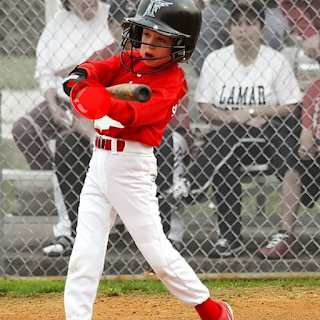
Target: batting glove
[{"x": 75, "y": 76}]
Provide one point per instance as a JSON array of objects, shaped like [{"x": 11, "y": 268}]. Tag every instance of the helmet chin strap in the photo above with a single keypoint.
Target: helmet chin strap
[{"x": 131, "y": 66}]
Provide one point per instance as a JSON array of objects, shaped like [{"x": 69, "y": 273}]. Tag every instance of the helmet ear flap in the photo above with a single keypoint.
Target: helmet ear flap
[
  {"x": 136, "y": 35},
  {"x": 131, "y": 36}
]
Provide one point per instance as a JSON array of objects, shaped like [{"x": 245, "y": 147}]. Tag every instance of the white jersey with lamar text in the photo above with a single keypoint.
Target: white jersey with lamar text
[{"x": 227, "y": 84}]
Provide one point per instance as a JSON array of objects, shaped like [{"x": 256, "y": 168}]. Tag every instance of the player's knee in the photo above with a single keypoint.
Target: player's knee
[
  {"x": 17, "y": 129},
  {"x": 21, "y": 132},
  {"x": 162, "y": 265}
]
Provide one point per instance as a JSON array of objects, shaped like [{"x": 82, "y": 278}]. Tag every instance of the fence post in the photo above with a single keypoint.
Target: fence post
[{"x": 2, "y": 251}]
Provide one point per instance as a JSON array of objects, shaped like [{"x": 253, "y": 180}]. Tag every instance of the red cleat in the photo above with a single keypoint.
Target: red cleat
[{"x": 226, "y": 311}]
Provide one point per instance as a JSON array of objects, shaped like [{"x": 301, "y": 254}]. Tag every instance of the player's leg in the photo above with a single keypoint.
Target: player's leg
[
  {"x": 63, "y": 226},
  {"x": 95, "y": 219},
  {"x": 165, "y": 161},
  {"x": 227, "y": 193},
  {"x": 167, "y": 263},
  {"x": 32, "y": 132},
  {"x": 137, "y": 205},
  {"x": 285, "y": 161},
  {"x": 170, "y": 160},
  {"x": 72, "y": 159},
  {"x": 177, "y": 227}
]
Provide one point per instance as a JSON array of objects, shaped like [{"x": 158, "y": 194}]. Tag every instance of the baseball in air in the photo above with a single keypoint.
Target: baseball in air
[{"x": 90, "y": 99}]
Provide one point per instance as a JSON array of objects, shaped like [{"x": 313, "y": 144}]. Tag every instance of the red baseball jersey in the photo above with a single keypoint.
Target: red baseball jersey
[
  {"x": 311, "y": 109},
  {"x": 142, "y": 122}
]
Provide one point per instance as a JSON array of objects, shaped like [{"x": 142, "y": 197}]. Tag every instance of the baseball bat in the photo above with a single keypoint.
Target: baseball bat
[{"x": 130, "y": 92}]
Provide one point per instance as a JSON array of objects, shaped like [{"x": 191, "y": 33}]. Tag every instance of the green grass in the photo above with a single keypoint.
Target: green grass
[
  {"x": 31, "y": 287},
  {"x": 17, "y": 72}
]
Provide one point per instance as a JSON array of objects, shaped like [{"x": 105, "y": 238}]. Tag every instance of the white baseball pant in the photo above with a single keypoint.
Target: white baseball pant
[{"x": 123, "y": 183}]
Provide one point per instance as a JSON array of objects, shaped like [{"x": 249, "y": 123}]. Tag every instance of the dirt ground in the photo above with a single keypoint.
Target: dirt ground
[{"x": 258, "y": 303}]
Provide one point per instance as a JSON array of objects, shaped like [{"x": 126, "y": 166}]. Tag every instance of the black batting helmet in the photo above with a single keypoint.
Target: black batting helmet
[
  {"x": 66, "y": 5},
  {"x": 178, "y": 19}
]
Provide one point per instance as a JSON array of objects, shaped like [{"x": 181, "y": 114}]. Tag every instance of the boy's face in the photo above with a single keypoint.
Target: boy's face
[
  {"x": 245, "y": 32},
  {"x": 149, "y": 51}
]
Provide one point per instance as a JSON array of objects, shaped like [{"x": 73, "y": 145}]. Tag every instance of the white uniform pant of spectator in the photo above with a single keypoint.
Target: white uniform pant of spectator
[
  {"x": 180, "y": 150},
  {"x": 63, "y": 227},
  {"x": 123, "y": 184}
]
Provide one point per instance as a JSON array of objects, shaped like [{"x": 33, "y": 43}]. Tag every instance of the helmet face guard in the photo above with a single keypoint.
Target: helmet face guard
[
  {"x": 131, "y": 40},
  {"x": 178, "y": 19}
]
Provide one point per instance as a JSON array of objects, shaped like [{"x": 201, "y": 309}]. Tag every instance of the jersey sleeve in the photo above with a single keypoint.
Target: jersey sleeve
[
  {"x": 205, "y": 90},
  {"x": 104, "y": 71}
]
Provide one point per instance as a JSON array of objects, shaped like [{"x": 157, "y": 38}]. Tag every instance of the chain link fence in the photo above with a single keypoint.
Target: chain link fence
[{"x": 36, "y": 207}]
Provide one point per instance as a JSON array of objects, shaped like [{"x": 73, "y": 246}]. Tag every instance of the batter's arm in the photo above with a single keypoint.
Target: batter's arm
[
  {"x": 58, "y": 113},
  {"x": 84, "y": 127}
]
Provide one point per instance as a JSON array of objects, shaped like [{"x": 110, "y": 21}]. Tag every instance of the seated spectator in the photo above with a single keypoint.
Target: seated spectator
[
  {"x": 301, "y": 183},
  {"x": 77, "y": 32},
  {"x": 247, "y": 90},
  {"x": 214, "y": 32}
]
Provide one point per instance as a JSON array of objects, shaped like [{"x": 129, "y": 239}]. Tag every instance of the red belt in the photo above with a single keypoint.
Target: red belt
[{"x": 105, "y": 144}]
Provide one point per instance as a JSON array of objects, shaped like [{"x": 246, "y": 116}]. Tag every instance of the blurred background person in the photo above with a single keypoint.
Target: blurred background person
[
  {"x": 301, "y": 183},
  {"x": 77, "y": 32},
  {"x": 303, "y": 17},
  {"x": 245, "y": 90},
  {"x": 215, "y": 31}
]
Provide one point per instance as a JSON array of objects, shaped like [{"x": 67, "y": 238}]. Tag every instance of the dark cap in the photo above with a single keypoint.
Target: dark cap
[
  {"x": 252, "y": 10},
  {"x": 121, "y": 9},
  {"x": 66, "y": 5}
]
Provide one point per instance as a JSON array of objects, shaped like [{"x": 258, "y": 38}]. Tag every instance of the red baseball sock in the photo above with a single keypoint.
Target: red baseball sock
[{"x": 208, "y": 310}]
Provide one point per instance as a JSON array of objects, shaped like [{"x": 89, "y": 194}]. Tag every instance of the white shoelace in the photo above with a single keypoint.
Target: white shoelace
[
  {"x": 276, "y": 239},
  {"x": 223, "y": 242},
  {"x": 179, "y": 189}
]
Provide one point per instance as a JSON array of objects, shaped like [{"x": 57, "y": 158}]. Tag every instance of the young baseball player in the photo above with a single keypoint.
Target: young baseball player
[{"x": 123, "y": 169}]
